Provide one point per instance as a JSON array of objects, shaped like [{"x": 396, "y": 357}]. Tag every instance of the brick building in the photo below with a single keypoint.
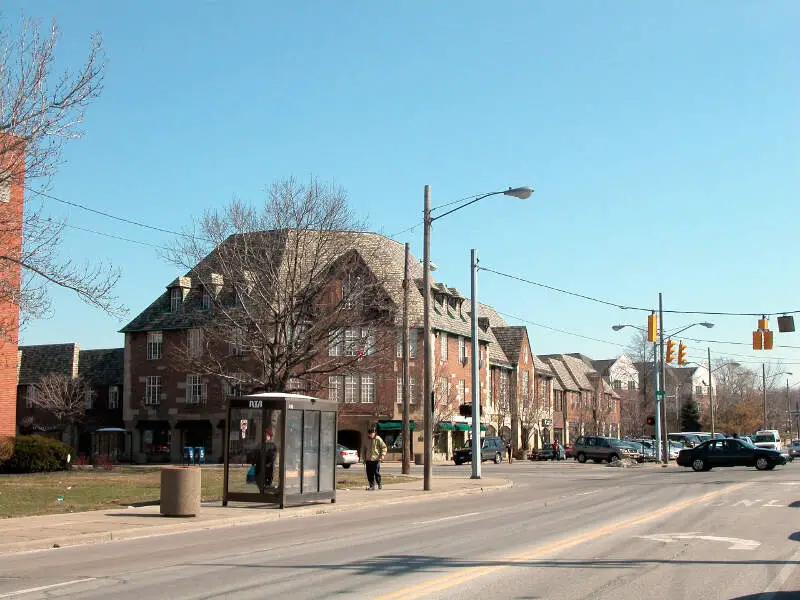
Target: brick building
[
  {"x": 100, "y": 429},
  {"x": 11, "y": 215}
]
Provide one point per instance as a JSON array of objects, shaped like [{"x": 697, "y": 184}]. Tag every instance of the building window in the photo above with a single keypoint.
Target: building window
[
  {"x": 175, "y": 299},
  {"x": 368, "y": 346},
  {"x": 443, "y": 391},
  {"x": 194, "y": 342},
  {"x": 350, "y": 341},
  {"x": 113, "y": 397},
  {"x": 503, "y": 390},
  {"x": 462, "y": 350},
  {"x": 460, "y": 391},
  {"x": 196, "y": 390},
  {"x": 236, "y": 346},
  {"x": 525, "y": 392},
  {"x": 206, "y": 300},
  {"x": 631, "y": 385},
  {"x": 336, "y": 342},
  {"x": 617, "y": 384},
  {"x": 412, "y": 343},
  {"x": 335, "y": 388},
  {"x": 399, "y": 390},
  {"x": 368, "y": 389},
  {"x": 699, "y": 390},
  {"x": 350, "y": 389},
  {"x": 443, "y": 345},
  {"x": 155, "y": 345},
  {"x": 88, "y": 399},
  {"x": 31, "y": 396},
  {"x": 152, "y": 390},
  {"x": 412, "y": 389},
  {"x": 233, "y": 386}
]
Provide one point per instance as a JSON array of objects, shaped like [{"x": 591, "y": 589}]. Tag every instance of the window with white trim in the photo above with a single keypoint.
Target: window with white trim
[
  {"x": 152, "y": 390},
  {"x": 503, "y": 400},
  {"x": 443, "y": 346},
  {"x": 113, "y": 397},
  {"x": 88, "y": 399},
  {"x": 368, "y": 389},
  {"x": 335, "y": 388},
  {"x": 233, "y": 386},
  {"x": 399, "y": 390},
  {"x": 155, "y": 345},
  {"x": 350, "y": 389},
  {"x": 443, "y": 391},
  {"x": 368, "y": 346},
  {"x": 236, "y": 346},
  {"x": 460, "y": 391},
  {"x": 206, "y": 300},
  {"x": 413, "y": 389},
  {"x": 462, "y": 349},
  {"x": 175, "y": 299},
  {"x": 31, "y": 396},
  {"x": 412, "y": 343},
  {"x": 336, "y": 342},
  {"x": 525, "y": 388},
  {"x": 196, "y": 390},
  {"x": 351, "y": 341},
  {"x": 699, "y": 390},
  {"x": 194, "y": 342}
]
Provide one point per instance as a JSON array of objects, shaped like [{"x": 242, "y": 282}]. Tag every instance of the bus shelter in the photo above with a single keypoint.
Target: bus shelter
[{"x": 281, "y": 449}]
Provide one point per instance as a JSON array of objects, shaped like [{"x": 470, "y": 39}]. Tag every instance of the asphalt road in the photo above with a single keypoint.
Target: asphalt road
[{"x": 564, "y": 531}]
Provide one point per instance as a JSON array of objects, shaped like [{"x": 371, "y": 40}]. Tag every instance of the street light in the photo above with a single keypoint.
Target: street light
[{"x": 520, "y": 192}]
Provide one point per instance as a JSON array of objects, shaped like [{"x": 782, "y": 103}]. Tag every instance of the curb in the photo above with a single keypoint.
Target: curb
[{"x": 262, "y": 517}]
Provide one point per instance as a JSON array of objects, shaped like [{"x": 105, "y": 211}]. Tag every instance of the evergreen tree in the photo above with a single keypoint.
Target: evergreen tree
[{"x": 690, "y": 416}]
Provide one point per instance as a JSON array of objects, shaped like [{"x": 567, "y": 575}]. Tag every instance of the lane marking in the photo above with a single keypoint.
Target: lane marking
[
  {"x": 472, "y": 514},
  {"x": 735, "y": 543},
  {"x": 46, "y": 587},
  {"x": 459, "y": 577},
  {"x": 781, "y": 578}
]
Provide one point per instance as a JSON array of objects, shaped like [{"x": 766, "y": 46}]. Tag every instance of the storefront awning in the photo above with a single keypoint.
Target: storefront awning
[
  {"x": 447, "y": 426},
  {"x": 467, "y": 427},
  {"x": 394, "y": 425}
]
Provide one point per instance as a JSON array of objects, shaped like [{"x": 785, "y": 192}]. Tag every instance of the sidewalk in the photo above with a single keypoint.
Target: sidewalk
[{"x": 53, "y": 531}]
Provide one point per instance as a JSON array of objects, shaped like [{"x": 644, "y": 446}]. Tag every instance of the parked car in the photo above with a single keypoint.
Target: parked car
[
  {"x": 768, "y": 438},
  {"x": 492, "y": 448},
  {"x": 729, "y": 452},
  {"x": 544, "y": 453},
  {"x": 569, "y": 451},
  {"x": 794, "y": 449},
  {"x": 345, "y": 456},
  {"x": 599, "y": 448}
]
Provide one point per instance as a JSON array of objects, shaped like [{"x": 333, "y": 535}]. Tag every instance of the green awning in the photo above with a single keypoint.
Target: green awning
[
  {"x": 467, "y": 427},
  {"x": 446, "y": 426},
  {"x": 393, "y": 425}
]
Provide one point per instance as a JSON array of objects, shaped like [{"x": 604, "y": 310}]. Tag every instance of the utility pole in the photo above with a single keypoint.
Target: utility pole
[
  {"x": 657, "y": 404},
  {"x": 427, "y": 400},
  {"x": 665, "y": 440},
  {"x": 406, "y": 391},
  {"x": 764, "y": 391},
  {"x": 476, "y": 357},
  {"x": 710, "y": 394}
]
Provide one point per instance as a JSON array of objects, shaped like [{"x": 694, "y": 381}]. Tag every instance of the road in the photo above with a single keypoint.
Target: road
[{"x": 564, "y": 531}]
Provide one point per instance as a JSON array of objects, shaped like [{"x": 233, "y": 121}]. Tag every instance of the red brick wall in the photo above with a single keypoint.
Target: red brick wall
[{"x": 11, "y": 242}]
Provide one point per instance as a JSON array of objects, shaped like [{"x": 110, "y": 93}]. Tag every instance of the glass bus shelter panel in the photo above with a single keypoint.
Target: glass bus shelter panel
[
  {"x": 254, "y": 450},
  {"x": 294, "y": 451},
  {"x": 327, "y": 452},
  {"x": 310, "y": 451}
]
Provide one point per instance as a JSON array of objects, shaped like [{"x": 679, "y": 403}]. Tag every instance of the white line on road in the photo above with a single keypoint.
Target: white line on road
[
  {"x": 446, "y": 518},
  {"x": 45, "y": 587},
  {"x": 735, "y": 543},
  {"x": 783, "y": 576}
]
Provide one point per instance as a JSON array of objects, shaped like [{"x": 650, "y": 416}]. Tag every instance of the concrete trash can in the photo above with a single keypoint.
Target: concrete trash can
[
  {"x": 418, "y": 459},
  {"x": 180, "y": 491}
]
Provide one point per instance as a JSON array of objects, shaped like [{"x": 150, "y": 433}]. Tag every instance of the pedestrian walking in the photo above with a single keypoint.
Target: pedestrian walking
[
  {"x": 374, "y": 455},
  {"x": 556, "y": 450},
  {"x": 508, "y": 451}
]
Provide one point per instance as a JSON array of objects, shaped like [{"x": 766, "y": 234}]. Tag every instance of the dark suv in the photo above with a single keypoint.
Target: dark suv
[
  {"x": 600, "y": 448},
  {"x": 492, "y": 448}
]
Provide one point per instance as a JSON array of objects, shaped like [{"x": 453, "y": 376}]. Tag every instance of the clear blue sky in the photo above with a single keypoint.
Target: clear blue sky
[{"x": 662, "y": 140}]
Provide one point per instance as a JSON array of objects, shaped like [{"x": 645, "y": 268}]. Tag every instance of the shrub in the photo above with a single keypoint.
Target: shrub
[
  {"x": 6, "y": 448},
  {"x": 36, "y": 454}
]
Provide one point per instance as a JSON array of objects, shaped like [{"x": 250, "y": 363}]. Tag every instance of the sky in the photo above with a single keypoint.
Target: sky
[{"x": 661, "y": 140}]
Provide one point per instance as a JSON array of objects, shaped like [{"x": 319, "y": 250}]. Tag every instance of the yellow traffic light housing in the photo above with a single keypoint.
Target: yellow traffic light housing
[
  {"x": 670, "y": 356},
  {"x": 762, "y": 337},
  {"x": 758, "y": 340},
  {"x": 681, "y": 354},
  {"x": 652, "y": 328}
]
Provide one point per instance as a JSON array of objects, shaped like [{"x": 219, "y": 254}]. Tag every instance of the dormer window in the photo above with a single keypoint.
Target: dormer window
[
  {"x": 175, "y": 299},
  {"x": 206, "y": 301}
]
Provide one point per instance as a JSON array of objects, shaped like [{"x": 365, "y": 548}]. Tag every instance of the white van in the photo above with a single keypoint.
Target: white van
[{"x": 768, "y": 438}]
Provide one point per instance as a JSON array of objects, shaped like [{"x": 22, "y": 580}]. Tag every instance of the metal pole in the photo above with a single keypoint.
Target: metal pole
[
  {"x": 665, "y": 440},
  {"x": 657, "y": 404},
  {"x": 476, "y": 396},
  {"x": 788, "y": 407},
  {"x": 710, "y": 394},
  {"x": 406, "y": 390},
  {"x": 764, "y": 391},
  {"x": 427, "y": 355}
]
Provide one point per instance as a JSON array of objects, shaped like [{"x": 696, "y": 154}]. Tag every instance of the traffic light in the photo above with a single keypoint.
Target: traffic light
[
  {"x": 670, "y": 351},
  {"x": 465, "y": 410},
  {"x": 762, "y": 337},
  {"x": 767, "y": 340},
  {"x": 652, "y": 328},
  {"x": 651, "y": 420},
  {"x": 681, "y": 354}
]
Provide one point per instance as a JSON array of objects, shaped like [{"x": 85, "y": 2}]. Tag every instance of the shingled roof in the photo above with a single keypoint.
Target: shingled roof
[
  {"x": 41, "y": 360},
  {"x": 565, "y": 380},
  {"x": 540, "y": 367},
  {"x": 510, "y": 340},
  {"x": 102, "y": 367}
]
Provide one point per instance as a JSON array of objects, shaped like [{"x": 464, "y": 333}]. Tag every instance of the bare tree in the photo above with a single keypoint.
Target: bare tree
[
  {"x": 39, "y": 112},
  {"x": 64, "y": 397},
  {"x": 445, "y": 405},
  {"x": 531, "y": 414},
  {"x": 290, "y": 296}
]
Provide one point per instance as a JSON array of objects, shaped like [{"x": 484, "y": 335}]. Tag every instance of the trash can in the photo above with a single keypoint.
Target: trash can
[
  {"x": 180, "y": 491},
  {"x": 188, "y": 455},
  {"x": 418, "y": 459},
  {"x": 199, "y": 455}
]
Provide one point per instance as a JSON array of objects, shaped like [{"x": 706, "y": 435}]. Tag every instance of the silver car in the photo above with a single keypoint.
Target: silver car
[{"x": 345, "y": 456}]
